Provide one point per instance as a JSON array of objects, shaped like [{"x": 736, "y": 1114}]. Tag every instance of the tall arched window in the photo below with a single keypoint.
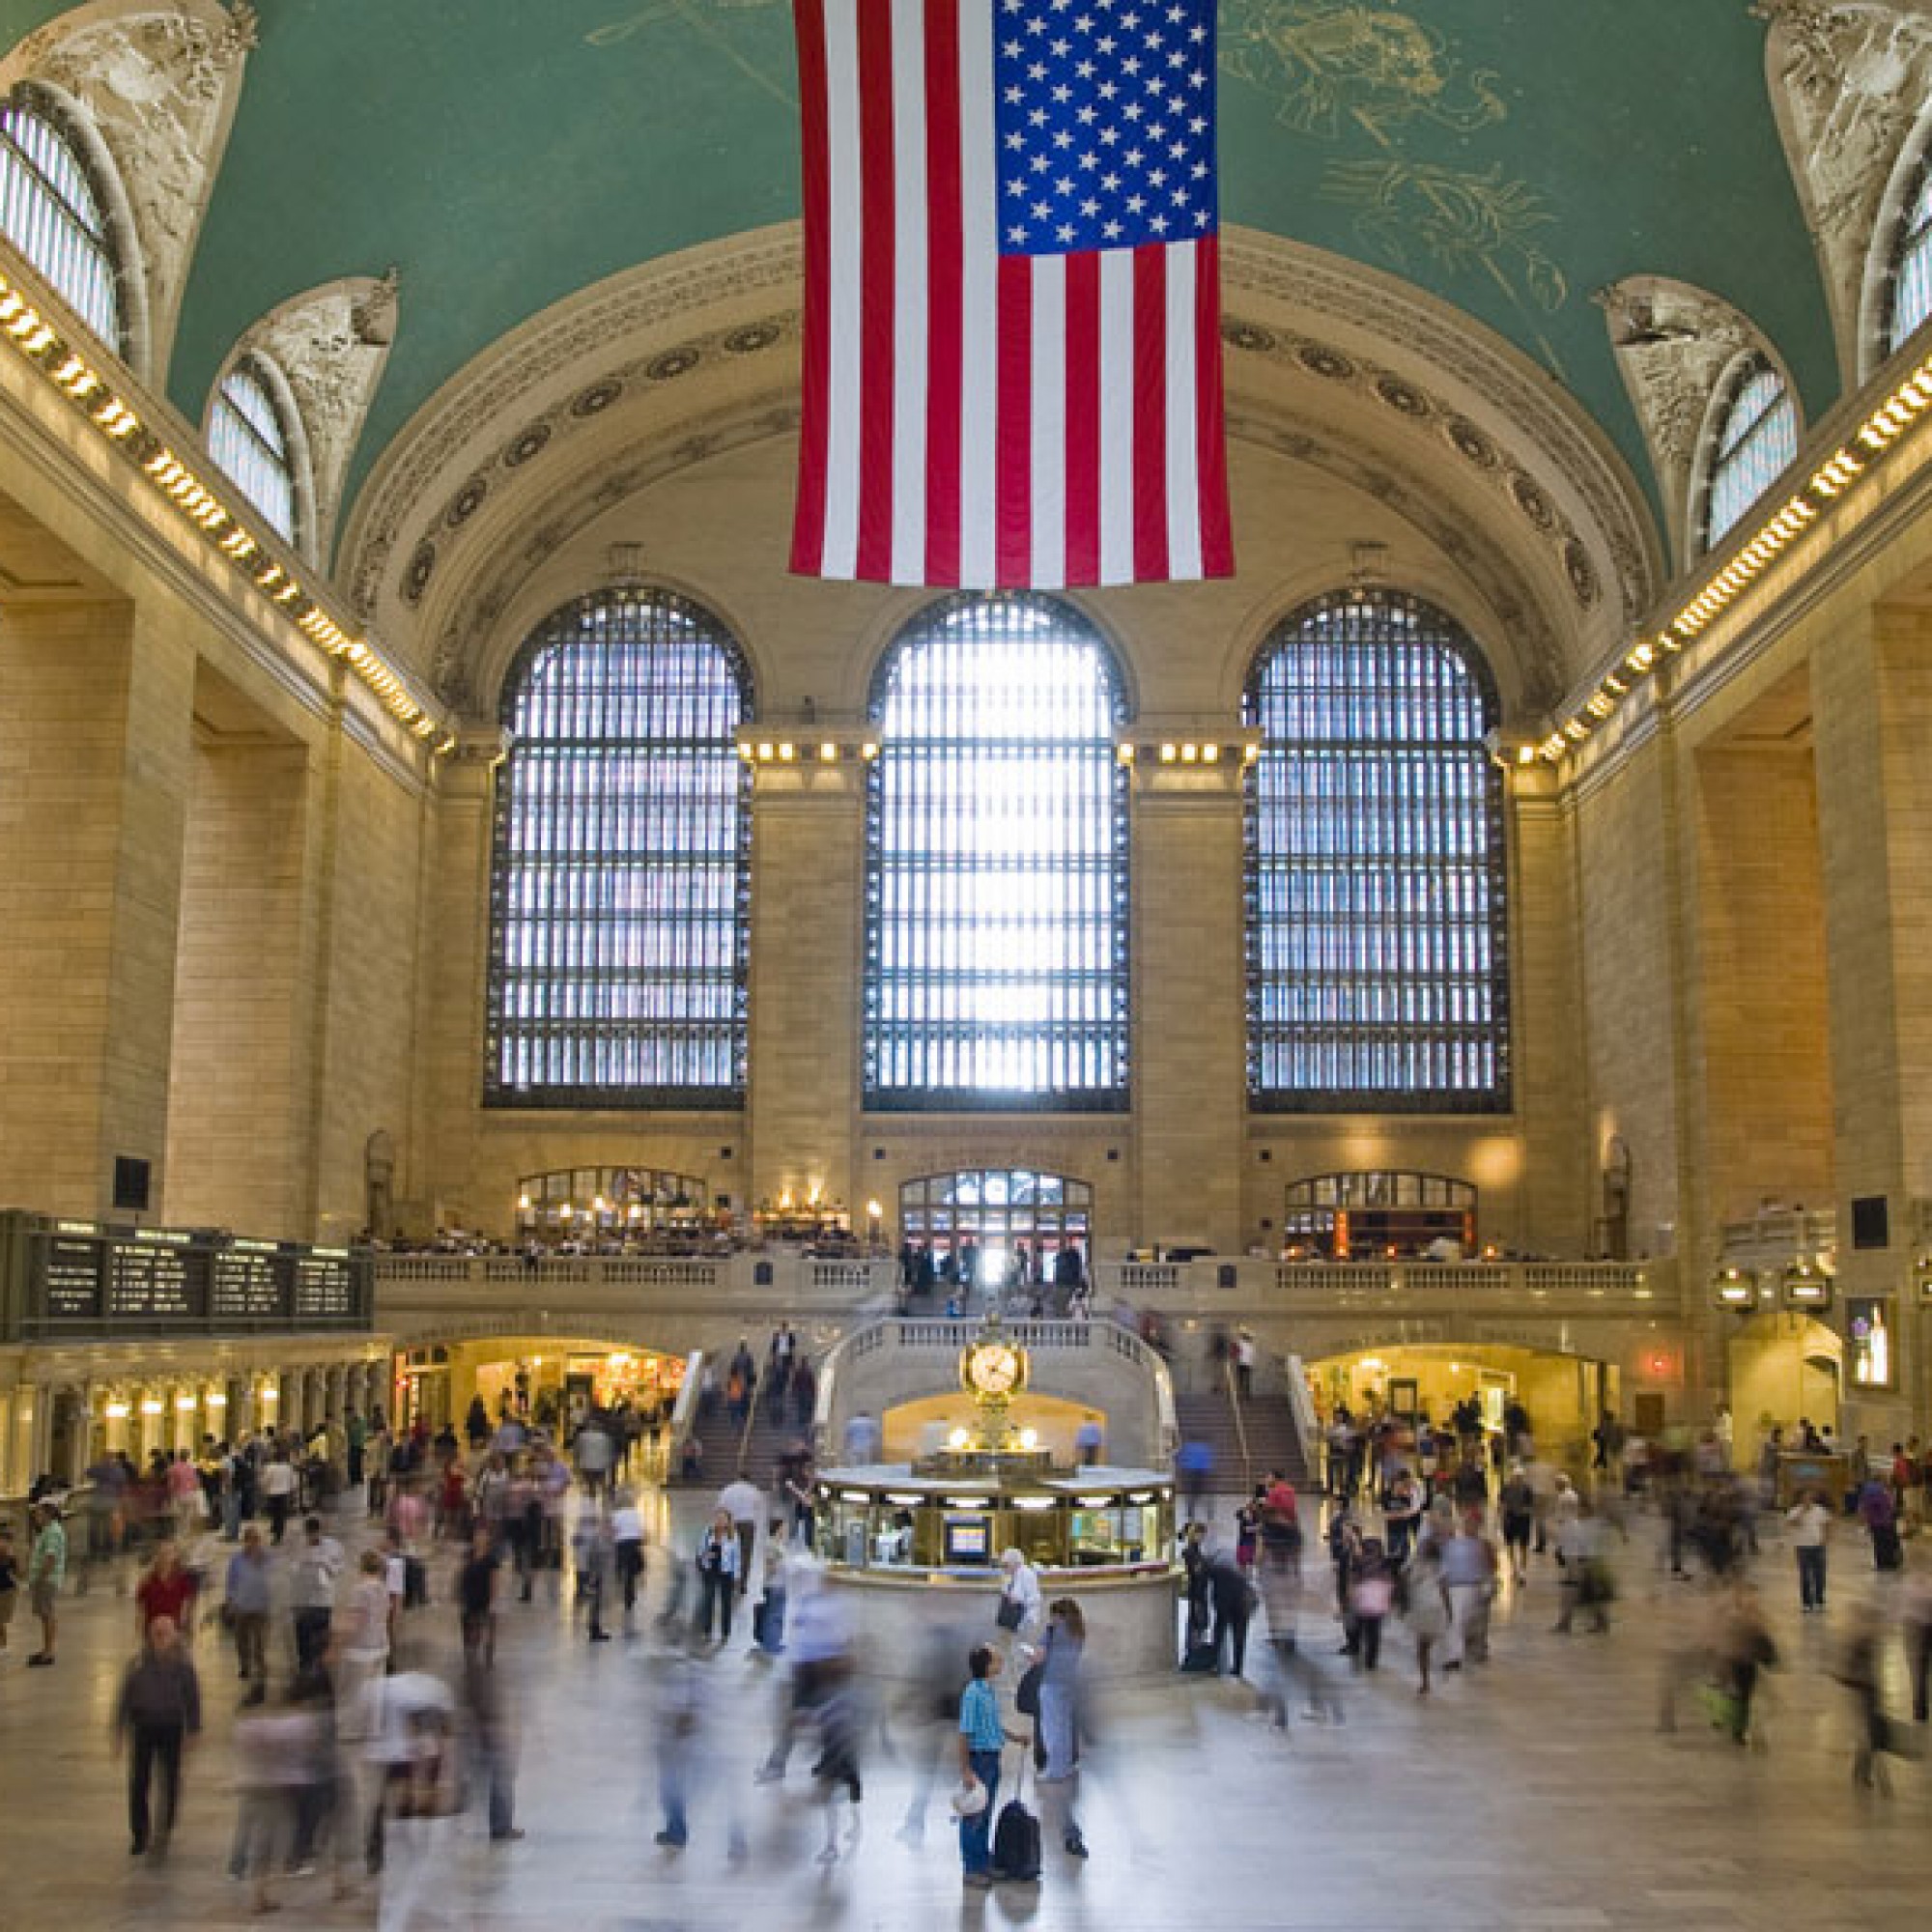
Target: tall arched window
[
  {"x": 248, "y": 438},
  {"x": 1911, "y": 298},
  {"x": 995, "y": 876},
  {"x": 1377, "y": 977},
  {"x": 1755, "y": 441},
  {"x": 618, "y": 893},
  {"x": 49, "y": 209}
]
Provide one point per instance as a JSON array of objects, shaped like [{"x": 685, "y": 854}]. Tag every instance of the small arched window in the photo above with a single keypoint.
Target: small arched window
[
  {"x": 1756, "y": 440},
  {"x": 248, "y": 438},
  {"x": 1911, "y": 300},
  {"x": 51, "y": 212}
]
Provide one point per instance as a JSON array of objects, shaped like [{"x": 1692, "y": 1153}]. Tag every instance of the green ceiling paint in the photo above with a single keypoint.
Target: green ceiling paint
[{"x": 1511, "y": 155}]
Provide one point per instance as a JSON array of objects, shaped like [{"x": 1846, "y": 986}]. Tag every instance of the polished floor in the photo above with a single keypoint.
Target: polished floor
[{"x": 1534, "y": 1793}]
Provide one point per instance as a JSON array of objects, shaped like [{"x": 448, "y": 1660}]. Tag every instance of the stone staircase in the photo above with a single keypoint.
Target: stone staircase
[
  {"x": 1268, "y": 1423},
  {"x": 725, "y": 1446}
]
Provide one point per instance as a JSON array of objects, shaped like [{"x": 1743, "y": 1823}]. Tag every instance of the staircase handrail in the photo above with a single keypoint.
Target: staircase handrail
[
  {"x": 1228, "y": 1376},
  {"x": 1301, "y": 1411},
  {"x": 684, "y": 1412}
]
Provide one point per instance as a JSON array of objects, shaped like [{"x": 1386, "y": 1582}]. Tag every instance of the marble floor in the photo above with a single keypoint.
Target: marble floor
[{"x": 1531, "y": 1795}]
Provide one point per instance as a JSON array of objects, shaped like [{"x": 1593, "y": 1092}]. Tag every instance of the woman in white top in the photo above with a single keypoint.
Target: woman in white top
[{"x": 1020, "y": 1588}]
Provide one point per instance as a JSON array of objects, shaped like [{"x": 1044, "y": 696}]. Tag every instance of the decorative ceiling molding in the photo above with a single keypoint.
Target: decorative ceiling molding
[
  {"x": 1848, "y": 80},
  {"x": 1455, "y": 397},
  {"x": 562, "y": 355},
  {"x": 157, "y": 85},
  {"x": 1673, "y": 343},
  {"x": 1544, "y": 432},
  {"x": 330, "y": 344}
]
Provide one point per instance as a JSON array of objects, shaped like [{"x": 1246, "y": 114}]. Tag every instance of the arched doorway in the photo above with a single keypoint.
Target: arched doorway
[
  {"x": 1785, "y": 1368},
  {"x": 1563, "y": 1395},
  {"x": 545, "y": 1379},
  {"x": 1375, "y": 1212},
  {"x": 993, "y": 1224}
]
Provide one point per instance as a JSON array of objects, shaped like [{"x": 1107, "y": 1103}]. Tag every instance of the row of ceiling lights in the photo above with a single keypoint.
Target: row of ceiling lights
[{"x": 202, "y": 504}]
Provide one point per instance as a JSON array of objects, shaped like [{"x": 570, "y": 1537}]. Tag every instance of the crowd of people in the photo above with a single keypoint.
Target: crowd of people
[{"x": 360, "y": 1598}]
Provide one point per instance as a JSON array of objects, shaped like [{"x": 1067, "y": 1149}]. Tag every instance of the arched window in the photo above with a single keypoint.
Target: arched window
[
  {"x": 1911, "y": 300},
  {"x": 1756, "y": 442},
  {"x": 51, "y": 213},
  {"x": 618, "y": 892},
  {"x": 995, "y": 864},
  {"x": 1377, "y": 976},
  {"x": 248, "y": 438}
]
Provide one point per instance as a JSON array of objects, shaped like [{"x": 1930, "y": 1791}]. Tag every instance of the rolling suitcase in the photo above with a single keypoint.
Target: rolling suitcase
[{"x": 1016, "y": 1837}]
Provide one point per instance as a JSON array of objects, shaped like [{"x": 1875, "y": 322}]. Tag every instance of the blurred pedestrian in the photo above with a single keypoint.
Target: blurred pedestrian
[
  {"x": 46, "y": 1571},
  {"x": 158, "y": 1711},
  {"x": 1063, "y": 1653}
]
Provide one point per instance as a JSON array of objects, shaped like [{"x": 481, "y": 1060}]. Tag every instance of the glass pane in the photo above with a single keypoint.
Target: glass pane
[
  {"x": 1912, "y": 283},
  {"x": 1757, "y": 443},
  {"x": 996, "y": 969},
  {"x": 618, "y": 896},
  {"x": 246, "y": 437},
  {"x": 1377, "y": 966},
  {"x": 49, "y": 212}
]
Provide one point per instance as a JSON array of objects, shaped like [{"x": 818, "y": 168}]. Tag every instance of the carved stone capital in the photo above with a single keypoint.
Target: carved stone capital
[
  {"x": 156, "y": 86},
  {"x": 1848, "y": 80},
  {"x": 323, "y": 344},
  {"x": 1673, "y": 343}
]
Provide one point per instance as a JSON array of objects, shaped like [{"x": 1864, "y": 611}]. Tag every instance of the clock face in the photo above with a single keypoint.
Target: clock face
[{"x": 993, "y": 1368}]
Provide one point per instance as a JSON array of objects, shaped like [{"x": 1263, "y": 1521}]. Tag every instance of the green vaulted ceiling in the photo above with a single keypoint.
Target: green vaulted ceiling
[{"x": 1511, "y": 155}]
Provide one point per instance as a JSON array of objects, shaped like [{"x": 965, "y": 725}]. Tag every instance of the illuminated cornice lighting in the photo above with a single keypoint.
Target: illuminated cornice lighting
[
  {"x": 1751, "y": 555},
  {"x": 204, "y": 503}
]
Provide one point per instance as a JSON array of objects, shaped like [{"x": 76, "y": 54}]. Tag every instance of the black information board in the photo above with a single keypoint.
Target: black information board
[
  {"x": 76, "y": 1274},
  {"x": 154, "y": 1282},
  {"x": 248, "y": 1287},
  {"x": 325, "y": 1287}
]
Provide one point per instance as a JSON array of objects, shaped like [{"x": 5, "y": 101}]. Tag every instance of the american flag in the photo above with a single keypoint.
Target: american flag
[{"x": 1012, "y": 358}]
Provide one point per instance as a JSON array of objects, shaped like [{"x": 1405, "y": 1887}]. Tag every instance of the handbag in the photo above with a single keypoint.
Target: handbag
[
  {"x": 1011, "y": 1615},
  {"x": 1026, "y": 1694}
]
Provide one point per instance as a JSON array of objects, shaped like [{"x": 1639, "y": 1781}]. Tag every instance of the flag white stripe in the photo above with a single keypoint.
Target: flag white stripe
[
  {"x": 1117, "y": 416},
  {"x": 909, "y": 314},
  {"x": 979, "y": 298},
  {"x": 1048, "y": 463},
  {"x": 843, "y": 374},
  {"x": 1184, "y": 451}
]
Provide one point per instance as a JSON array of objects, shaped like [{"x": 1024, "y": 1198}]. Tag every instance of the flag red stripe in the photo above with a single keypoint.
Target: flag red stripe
[
  {"x": 808, "y": 540},
  {"x": 1013, "y": 540},
  {"x": 1083, "y": 418},
  {"x": 876, "y": 279},
  {"x": 1218, "y": 537},
  {"x": 1150, "y": 412},
  {"x": 945, "y": 228}
]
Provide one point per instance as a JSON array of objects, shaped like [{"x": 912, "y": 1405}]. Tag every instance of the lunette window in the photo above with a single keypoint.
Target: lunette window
[
  {"x": 1912, "y": 264},
  {"x": 995, "y": 864},
  {"x": 1377, "y": 973},
  {"x": 1756, "y": 443},
  {"x": 248, "y": 438},
  {"x": 50, "y": 212},
  {"x": 618, "y": 896}
]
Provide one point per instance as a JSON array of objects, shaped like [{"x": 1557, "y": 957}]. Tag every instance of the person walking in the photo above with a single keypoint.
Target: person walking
[
  {"x": 1022, "y": 1607},
  {"x": 279, "y": 1493},
  {"x": 158, "y": 1710},
  {"x": 982, "y": 1736},
  {"x": 9, "y": 1584},
  {"x": 1062, "y": 1653},
  {"x": 1809, "y": 1521},
  {"x": 245, "y": 1598},
  {"x": 318, "y": 1565},
  {"x": 718, "y": 1552},
  {"x": 47, "y": 1571},
  {"x": 1428, "y": 1611}
]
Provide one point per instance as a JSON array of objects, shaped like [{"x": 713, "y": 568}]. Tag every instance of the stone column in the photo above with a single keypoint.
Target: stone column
[
  {"x": 94, "y": 707},
  {"x": 808, "y": 859},
  {"x": 1872, "y": 698},
  {"x": 1190, "y": 1003}
]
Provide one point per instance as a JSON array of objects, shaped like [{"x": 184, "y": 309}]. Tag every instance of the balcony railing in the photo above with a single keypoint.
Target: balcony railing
[{"x": 1255, "y": 1285}]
